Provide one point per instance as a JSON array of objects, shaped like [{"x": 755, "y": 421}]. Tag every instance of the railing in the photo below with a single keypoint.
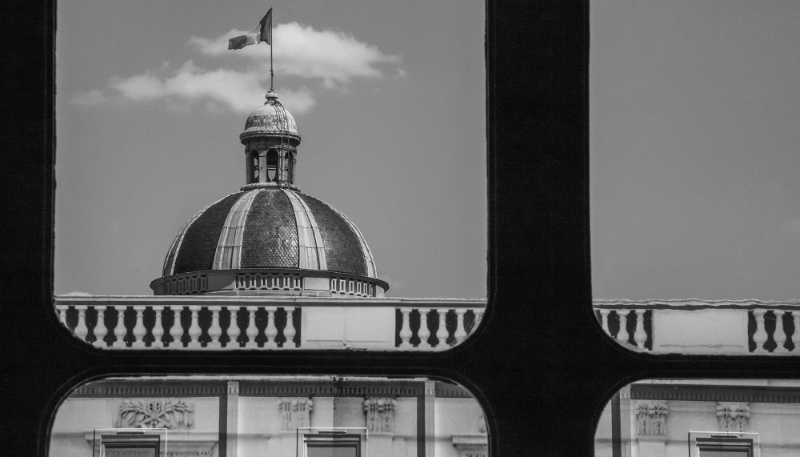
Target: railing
[
  {"x": 443, "y": 328},
  {"x": 254, "y": 323},
  {"x": 630, "y": 327},
  {"x": 696, "y": 326}
]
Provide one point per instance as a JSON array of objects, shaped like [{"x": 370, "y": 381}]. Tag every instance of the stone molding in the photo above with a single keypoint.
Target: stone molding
[
  {"x": 295, "y": 412},
  {"x": 169, "y": 413},
  {"x": 651, "y": 418},
  {"x": 471, "y": 445},
  {"x": 268, "y": 388},
  {"x": 733, "y": 416},
  {"x": 380, "y": 414},
  {"x": 709, "y": 393},
  {"x": 332, "y": 389}
]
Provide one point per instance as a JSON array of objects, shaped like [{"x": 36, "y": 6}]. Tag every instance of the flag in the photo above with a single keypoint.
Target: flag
[{"x": 264, "y": 33}]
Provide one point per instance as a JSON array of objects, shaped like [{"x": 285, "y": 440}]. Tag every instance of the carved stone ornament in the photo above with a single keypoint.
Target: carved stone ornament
[
  {"x": 170, "y": 413},
  {"x": 295, "y": 412},
  {"x": 733, "y": 416},
  {"x": 651, "y": 418},
  {"x": 380, "y": 414}
]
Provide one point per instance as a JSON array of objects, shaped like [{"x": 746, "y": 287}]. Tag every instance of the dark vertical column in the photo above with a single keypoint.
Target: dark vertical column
[
  {"x": 222, "y": 447},
  {"x": 616, "y": 427},
  {"x": 421, "y": 438}
]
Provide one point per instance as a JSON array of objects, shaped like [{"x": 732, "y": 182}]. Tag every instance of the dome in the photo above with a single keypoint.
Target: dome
[
  {"x": 271, "y": 118},
  {"x": 269, "y": 238},
  {"x": 275, "y": 233}
]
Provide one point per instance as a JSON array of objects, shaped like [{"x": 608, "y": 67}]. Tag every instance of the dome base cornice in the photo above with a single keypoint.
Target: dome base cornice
[
  {"x": 252, "y": 281},
  {"x": 270, "y": 185}
]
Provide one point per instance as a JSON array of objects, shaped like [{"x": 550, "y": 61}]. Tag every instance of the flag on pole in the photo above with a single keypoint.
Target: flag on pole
[{"x": 262, "y": 32}]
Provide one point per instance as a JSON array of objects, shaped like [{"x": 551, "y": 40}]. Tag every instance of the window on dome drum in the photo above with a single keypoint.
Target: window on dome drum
[
  {"x": 290, "y": 166},
  {"x": 254, "y": 167},
  {"x": 272, "y": 165},
  {"x": 693, "y": 164},
  {"x": 702, "y": 418},
  {"x": 289, "y": 416}
]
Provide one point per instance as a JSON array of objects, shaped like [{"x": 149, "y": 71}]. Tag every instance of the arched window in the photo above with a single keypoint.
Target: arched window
[
  {"x": 253, "y": 167},
  {"x": 290, "y": 167},
  {"x": 272, "y": 165}
]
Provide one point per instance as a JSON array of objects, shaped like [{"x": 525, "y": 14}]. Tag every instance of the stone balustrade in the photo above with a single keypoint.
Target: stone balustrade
[
  {"x": 259, "y": 323},
  {"x": 703, "y": 327}
]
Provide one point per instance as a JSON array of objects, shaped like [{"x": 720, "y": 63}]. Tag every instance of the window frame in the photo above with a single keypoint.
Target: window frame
[{"x": 539, "y": 340}]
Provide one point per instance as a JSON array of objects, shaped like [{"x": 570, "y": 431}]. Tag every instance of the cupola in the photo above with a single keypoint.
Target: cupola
[{"x": 270, "y": 142}]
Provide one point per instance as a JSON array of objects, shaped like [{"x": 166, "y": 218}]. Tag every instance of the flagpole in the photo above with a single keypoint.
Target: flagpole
[{"x": 271, "y": 75}]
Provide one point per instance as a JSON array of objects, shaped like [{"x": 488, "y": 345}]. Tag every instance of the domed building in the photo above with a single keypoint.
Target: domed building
[
  {"x": 269, "y": 238},
  {"x": 269, "y": 268}
]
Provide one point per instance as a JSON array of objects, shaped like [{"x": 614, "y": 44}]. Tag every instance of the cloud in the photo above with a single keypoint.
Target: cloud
[
  {"x": 311, "y": 57},
  {"x": 90, "y": 98},
  {"x": 334, "y": 57}
]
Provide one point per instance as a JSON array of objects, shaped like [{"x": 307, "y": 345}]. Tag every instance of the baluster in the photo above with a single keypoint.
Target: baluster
[
  {"x": 100, "y": 330},
  {"x": 289, "y": 331},
  {"x": 81, "y": 330},
  {"x": 271, "y": 331},
  {"x": 441, "y": 332},
  {"x": 158, "y": 327},
  {"x": 214, "y": 331},
  {"x": 139, "y": 331},
  {"x": 194, "y": 330},
  {"x": 234, "y": 331},
  {"x": 796, "y": 334},
  {"x": 622, "y": 335},
  {"x": 604, "y": 320},
  {"x": 252, "y": 329},
  {"x": 460, "y": 332},
  {"x": 405, "y": 327},
  {"x": 780, "y": 333},
  {"x": 478, "y": 318},
  {"x": 424, "y": 332},
  {"x": 120, "y": 330},
  {"x": 176, "y": 331},
  {"x": 63, "y": 315},
  {"x": 640, "y": 336},
  {"x": 760, "y": 335}
]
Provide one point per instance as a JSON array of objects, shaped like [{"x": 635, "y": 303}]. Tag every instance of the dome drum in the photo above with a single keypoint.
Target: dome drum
[{"x": 282, "y": 282}]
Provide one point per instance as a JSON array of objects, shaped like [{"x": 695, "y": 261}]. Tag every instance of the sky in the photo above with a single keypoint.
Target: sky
[
  {"x": 694, "y": 136},
  {"x": 389, "y": 98}
]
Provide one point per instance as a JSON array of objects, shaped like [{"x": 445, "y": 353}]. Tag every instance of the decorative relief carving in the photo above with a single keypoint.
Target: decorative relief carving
[
  {"x": 733, "y": 416},
  {"x": 170, "y": 413},
  {"x": 380, "y": 414},
  {"x": 295, "y": 412},
  {"x": 651, "y": 418}
]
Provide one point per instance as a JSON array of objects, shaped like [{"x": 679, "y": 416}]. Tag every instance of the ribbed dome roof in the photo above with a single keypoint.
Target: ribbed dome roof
[
  {"x": 271, "y": 118},
  {"x": 270, "y": 228}
]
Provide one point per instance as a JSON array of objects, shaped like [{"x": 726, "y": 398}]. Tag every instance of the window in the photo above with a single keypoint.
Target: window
[
  {"x": 332, "y": 442},
  {"x": 723, "y": 445},
  {"x": 255, "y": 168},
  {"x": 540, "y": 362},
  {"x": 272, "y": 165},
  {"x": 130, "y": 442}
]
